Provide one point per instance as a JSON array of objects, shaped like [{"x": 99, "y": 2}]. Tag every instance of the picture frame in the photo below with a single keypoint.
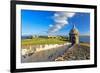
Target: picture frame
[{"x": 19, "y": 64}]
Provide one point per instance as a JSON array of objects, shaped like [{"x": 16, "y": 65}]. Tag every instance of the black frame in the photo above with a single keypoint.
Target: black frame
[{"x": 13, "y": 36}]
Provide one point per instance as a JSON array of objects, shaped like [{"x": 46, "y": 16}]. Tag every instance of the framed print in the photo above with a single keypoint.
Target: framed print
[{"x": 52, "y": 36}]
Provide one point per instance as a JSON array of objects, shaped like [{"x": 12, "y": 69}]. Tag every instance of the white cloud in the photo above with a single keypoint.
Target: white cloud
[{"x": 60, "y": 20}]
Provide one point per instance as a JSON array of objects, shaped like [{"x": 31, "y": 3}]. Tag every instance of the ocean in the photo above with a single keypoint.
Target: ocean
[{"x": 85, "y": 39}]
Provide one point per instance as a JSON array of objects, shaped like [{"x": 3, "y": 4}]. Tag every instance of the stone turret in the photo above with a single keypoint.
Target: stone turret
[{"x": 74, "y": 35}]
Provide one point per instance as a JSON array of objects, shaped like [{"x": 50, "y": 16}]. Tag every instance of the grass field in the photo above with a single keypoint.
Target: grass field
[{"x": 41, "y": 41}]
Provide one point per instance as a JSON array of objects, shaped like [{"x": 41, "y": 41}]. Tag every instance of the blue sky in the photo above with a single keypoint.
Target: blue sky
[{"x": 37, "y": 23}]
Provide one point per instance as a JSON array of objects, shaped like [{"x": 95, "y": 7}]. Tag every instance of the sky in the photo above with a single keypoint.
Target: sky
[{"x": 35, "y": 22}]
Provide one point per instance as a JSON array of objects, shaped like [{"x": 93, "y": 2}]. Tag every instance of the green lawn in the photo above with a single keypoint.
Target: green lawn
[{"x": 38, "y": 41}]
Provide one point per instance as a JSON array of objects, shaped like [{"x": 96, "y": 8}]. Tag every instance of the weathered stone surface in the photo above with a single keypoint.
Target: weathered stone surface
[
  {"x": 74, "y": 35},
  {"x": 78, "y": 52}
]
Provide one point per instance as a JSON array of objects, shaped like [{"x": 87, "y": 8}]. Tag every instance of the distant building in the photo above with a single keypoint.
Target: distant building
[
  {"x": 52, "y": 37},
  {"x": 74, "y": 35}
]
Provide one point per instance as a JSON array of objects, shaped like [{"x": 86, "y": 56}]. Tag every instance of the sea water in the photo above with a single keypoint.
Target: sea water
[{"x": 84, "y": 39}]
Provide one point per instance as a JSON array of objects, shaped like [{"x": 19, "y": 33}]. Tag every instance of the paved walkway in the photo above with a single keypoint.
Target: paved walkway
[{"x": 46, "y": 55}]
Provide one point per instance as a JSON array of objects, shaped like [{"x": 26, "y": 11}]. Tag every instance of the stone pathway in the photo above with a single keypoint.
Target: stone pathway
[
  {"x": 77, "y": 52},
  {"x": 46, "y": 55}
]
